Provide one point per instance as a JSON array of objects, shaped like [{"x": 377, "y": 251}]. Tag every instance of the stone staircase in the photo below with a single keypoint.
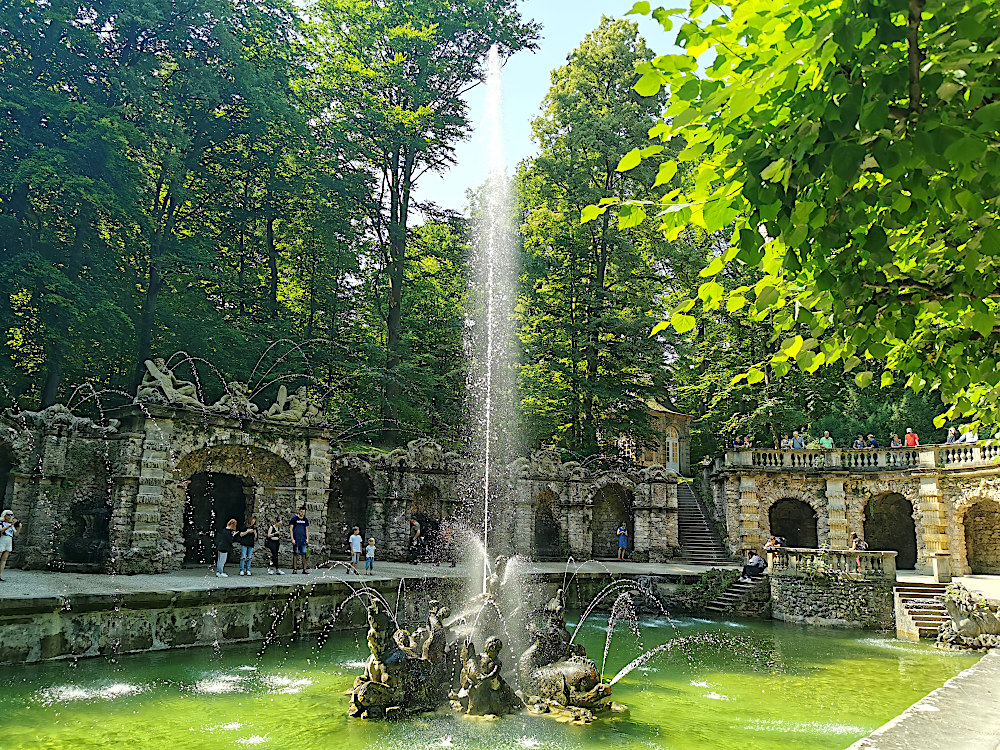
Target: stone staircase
[
  {"x": 738, "y": 592},
  {"x": 699, "y": 543},
  {"x": 919, "y": 609}
]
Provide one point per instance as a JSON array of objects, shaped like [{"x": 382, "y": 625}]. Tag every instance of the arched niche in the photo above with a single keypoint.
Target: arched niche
[
  {"x": 546, "y": 530},
  {"x": 889, "y": 525},
  {"x": 796, "y": 521},
  {"x": 982, "y": 537},
  {"x": 347, "y": 507},
  {"x": 612, "y": 505}
]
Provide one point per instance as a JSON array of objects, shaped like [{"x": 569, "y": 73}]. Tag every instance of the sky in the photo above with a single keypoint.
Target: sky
[{"x": 526, "y": 80}]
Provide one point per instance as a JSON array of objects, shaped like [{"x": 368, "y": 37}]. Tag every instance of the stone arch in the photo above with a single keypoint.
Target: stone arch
[
  {"x": 889, "y": 524},
  {"x": 981, "y": 522},
  {"x": 546, "y": 530},
  {"x": 611, "y": 503},
  {"x": 226, "y": 481},
  {"x": 348, "y": 505},
  {"x": 795, "y": 520}
]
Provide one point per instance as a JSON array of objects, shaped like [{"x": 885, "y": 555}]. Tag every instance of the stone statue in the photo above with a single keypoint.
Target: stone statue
[
  {"x": 556, "y": 673},
  {"x": 397, "y": 680},
  {"x": 160, "y": 385},
  {"x": 488, "y": 692},
  {"x": 59, "y": 416},
  {"x": 235, "y": 402},
  {"x": 299, "y": 408},
  {"x": 974, "y": 623}
]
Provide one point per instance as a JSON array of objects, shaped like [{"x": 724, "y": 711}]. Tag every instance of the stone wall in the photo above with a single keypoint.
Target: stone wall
[
  {"x": 944, "y": 499},
  {"x": 145, "y": 468},
  {"x": 831, "y": 601}
]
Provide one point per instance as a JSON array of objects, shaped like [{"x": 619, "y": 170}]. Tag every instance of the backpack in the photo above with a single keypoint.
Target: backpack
[{"x": 862, "y": 545}]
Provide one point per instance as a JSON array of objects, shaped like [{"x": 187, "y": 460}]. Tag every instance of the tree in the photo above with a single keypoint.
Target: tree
[
  {"x": 590, "y": 290},
  {"x": 851, "y": 146},
  {"x": 400, "y": 70}
]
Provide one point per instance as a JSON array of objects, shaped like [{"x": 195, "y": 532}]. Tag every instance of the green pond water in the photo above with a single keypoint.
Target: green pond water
[{"x": 721, "y": 685}]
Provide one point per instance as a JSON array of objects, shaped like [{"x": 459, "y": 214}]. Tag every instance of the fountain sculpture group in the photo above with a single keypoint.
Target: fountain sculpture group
[{"x": 409, "y": 673}]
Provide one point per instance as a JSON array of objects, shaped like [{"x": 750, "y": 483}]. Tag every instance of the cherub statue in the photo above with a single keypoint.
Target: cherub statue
[
  {"x": 489, "y": 692},
  {"x": 236, "y": 401},
  {"x": 159, "y": 384}
]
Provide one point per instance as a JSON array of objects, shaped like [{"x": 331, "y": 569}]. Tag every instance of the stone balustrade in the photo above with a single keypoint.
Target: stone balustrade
[
  {"x": 861, "y": 565},
  {"x": 957, "y": 456}
]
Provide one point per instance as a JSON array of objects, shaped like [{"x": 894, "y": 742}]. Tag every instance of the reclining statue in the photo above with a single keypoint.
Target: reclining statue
[{"x": 160, "y": 385}]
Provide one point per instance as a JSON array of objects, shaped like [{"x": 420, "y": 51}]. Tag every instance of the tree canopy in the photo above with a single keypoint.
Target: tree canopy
[{"x": 848, "y": 149}]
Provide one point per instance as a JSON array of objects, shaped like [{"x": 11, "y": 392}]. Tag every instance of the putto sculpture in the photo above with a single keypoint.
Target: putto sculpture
[{"x": 409, "y": 673}]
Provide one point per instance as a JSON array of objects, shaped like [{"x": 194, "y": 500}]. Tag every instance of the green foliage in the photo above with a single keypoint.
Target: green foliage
[
  {"x": 849, "y": 151},
  {"x": 589, "y": 290},
  {"x": 232, "y": 181}
]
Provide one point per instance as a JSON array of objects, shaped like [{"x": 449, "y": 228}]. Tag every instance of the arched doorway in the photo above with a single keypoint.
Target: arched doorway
[
  {"x": 889, "y": 525},
  {"x": 982, "y": 537},
  {"x": 546, "y": 531},
  {"x": 672, "y": 452},
  {"x": 426, "y": 508},
  {"x": 796, "y": 521},
  {"x": 346, "y": 508},
  {"x": 6, "y": 464},
  {"x": 612, "y": 505},
  {"x": 212, "y": 499}
]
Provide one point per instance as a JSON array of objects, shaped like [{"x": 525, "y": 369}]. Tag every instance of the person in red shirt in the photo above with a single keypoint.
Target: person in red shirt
[{"x": 911, "y": 439}]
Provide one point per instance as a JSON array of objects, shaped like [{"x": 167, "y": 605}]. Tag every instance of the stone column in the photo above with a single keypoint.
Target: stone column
[
  {"x": 580, "y": 535},
  {"x": 836, "y": 505},
  {"x": 315, "y": 489},
  {"x": 934, "y": 517},
  {"x": 750, "y": 537},
  {"x": 140, "y": 548},
  {"x": 525, "y": 492}
]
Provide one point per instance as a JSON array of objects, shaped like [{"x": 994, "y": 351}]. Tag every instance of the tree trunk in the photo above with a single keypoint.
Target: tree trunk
[
  {"x": 155, "y": 282},
  {"x": 272, "y": 264},
  {"x": 594, "y": 322},
  {"x": 398, "y": 210},
  {"x": 59, "y": 327}
]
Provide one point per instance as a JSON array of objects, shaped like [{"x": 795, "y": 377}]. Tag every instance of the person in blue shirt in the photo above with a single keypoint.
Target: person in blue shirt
[
  {"x": 622, "y": 540},
  {"x": 298, "y": 529}
]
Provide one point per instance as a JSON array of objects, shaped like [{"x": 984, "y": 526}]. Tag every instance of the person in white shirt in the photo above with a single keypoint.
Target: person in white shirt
[
  {"x": 370, "y": 557},
  {"x": 9, "y": 528},
  {"x": 355, "y": 541}
]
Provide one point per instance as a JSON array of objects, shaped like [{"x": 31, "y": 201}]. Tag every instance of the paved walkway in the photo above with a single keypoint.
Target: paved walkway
[
  {"x": 963, "y": 714},
  {"x": 30, "y": 584}
]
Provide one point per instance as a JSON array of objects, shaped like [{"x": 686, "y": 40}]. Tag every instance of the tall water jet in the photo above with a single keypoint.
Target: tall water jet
[{"x": 492, "y": 399}]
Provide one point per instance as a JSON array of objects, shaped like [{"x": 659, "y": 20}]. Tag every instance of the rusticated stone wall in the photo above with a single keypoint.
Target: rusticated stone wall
[
  {"x": 138, "y": 471},
  {"x": 831, "y": 601}
]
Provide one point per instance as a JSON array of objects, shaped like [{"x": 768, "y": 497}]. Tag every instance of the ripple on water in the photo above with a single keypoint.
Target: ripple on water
[
  {"x": 812, "y": 727},
  {"x": 254, "y": 739},
  {"x": 68, "y": 693},
  {"x": 712, "y": 695},
  {"x": 219, "y": 684}
]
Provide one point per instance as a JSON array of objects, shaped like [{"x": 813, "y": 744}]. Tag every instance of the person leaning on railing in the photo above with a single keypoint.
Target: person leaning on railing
[{"x": 826, "y": 442}]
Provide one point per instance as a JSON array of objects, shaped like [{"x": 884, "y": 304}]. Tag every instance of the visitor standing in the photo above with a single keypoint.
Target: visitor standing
[
  {"x": 298, "y": 530},
  {"x": 826, "y": 442},
  {"x": 872, "y": 442},
  {"x": 370, "y": 557},
  {"x": 952, "y": 436},
  {"x": 786, "y": 443},
  {"x": 223, "y": 546},
  {"x": 416, "y": 541},
  {"x": 9, "y": 528},
  {"x": 755, "y": 567},
  {"x": 622, "y": 540},
  {"x": 859, "y": 443},
  {"x": 738, "y": 443},
  {"x": 272, "y": 541},
  {"x": 895, "y": 442},
  {"x": 798, "y": 442},
  {"x": 911, "y": 439},
  {"x": 248, "y": 539},
  {"x": 355, "y": 541}
]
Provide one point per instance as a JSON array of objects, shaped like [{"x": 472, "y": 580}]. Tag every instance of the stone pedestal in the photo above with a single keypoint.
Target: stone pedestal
[{"x": 941, "y": 563}]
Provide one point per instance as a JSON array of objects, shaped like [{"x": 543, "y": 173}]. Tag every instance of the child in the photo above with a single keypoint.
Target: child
[{"x": 370, "y": 557}]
